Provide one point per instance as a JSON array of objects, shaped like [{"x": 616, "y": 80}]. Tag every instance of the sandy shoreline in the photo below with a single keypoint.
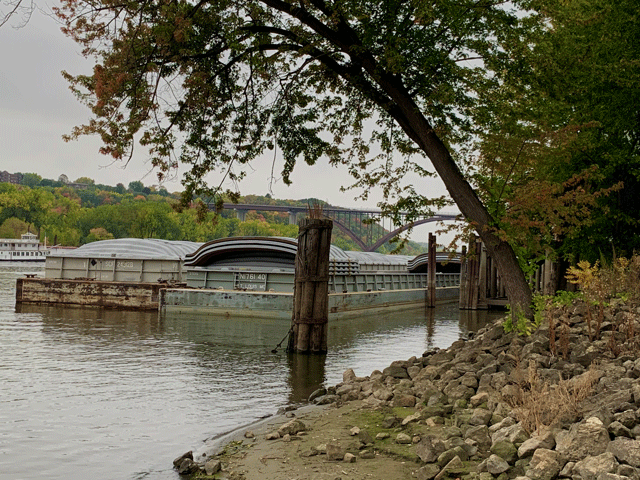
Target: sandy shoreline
[{"x": 295, "y": 457}]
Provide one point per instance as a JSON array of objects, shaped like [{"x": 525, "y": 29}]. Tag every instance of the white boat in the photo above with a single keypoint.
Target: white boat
[{"x": 27, "y": 248}]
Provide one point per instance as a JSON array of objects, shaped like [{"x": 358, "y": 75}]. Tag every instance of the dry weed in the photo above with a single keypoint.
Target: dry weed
[
  {"x": 315, "y": 210},
  {"x": 540, "y": 404}
]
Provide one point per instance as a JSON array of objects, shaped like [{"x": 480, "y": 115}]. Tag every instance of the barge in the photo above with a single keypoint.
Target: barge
[{"x": 232, "y": 276}]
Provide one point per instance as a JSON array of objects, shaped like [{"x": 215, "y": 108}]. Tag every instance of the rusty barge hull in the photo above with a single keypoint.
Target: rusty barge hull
[{"x": 88, "y": 293}]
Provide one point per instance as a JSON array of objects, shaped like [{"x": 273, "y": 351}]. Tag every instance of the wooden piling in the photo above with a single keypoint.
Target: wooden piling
[
  {"x": 464, "y": 276},
  {"x": 474, "y": 286},
  {"x": 482, "y": 277},
  {"x": 550, "y": 276},
  {"x": 472, "y": 277},
  {"x": 431, "y": 272},
  {"x": 311, "y": 287}
]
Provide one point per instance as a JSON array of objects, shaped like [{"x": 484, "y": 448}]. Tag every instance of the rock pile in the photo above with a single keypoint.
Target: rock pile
[{"x": 584, "y": 423}]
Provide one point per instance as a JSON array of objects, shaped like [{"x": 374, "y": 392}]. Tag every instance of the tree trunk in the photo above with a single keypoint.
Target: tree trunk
[{"x": 418, "y": 128}]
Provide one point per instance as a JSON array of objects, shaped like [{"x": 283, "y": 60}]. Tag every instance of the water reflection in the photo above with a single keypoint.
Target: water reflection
[
  {"x": 94, "y": 322},
  {"x": 306, "y": 374}
]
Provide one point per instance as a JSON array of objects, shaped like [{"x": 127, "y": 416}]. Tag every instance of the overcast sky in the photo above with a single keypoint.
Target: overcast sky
[{"x": 37, "y": 108}]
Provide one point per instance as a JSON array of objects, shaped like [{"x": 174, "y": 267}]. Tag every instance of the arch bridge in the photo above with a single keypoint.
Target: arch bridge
[{"x": 367, "y": 228}]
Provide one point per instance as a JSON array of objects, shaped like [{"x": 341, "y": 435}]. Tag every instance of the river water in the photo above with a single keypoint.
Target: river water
[{"x": 91, "y": 393}]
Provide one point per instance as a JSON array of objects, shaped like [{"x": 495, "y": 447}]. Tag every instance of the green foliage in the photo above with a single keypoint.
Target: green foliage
[
  {"x": 73, "y": 217},
  {"x": 97, "y": 234},
  {"x": 13, "y": 228},
  {"x": 380, "y": 87},
  {"x": 85, "y": 181},
  {"x": 524, "y": 325},
  {"x": 31, "y": 179},
  {"x": 563, "y": 298},
  {"x": 136, "y": 187},
  {"x": 599, "y": 284},
  {"x": 559, "y": 156}
]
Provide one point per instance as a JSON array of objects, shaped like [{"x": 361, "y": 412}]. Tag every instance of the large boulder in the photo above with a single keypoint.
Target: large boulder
[
  {"x": 480, "y": 416},
  {"x": 429, "y": 448},
  {"x": 480, "y": 435},
  {"x": 428, "y": 472},
  {"x": 454, "y": 468},
  {"x": 545, "y": 465},
  {"x": 505, "y": 450},
  {"x": 496, "y": 465},
  {"x": 292, "y": 427},
  {"x": 213, "y": 466},
  {"x": 396, "y": 371},
  {"x": 541, "y": 440},
  {"x": 335, "y": 452},
  {"x": 188, "y": 467},
  {"x": 591, "y": 467},
  {"x": 626, "y": 451},
  {"x": 514, "y": 434},
  {"x": 178, "y": 461},
  {"x": 404, "y": 400},
  {"x": 349, "y": 376},
  {"x": 382, "y": 392},
  {"x": 589, "y": 438}
]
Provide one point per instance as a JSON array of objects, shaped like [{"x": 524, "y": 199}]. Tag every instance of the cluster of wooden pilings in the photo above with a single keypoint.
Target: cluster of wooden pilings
[
  {"x": 482, "y": 288},
  {"x": 546, "y": 280},
  {"x": 480, "y": 285},
  {"x": 310, "y": 295}
]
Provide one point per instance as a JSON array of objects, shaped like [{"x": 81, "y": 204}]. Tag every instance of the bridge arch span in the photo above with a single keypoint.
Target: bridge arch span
[
  {"x": 402, "y": 228},
  {"x": 343, "y": 219},
  {"x": 349, "y": 233}
]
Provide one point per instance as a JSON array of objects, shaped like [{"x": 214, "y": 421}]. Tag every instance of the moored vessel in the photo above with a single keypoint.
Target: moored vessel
[{"x": 27, "y": 248}]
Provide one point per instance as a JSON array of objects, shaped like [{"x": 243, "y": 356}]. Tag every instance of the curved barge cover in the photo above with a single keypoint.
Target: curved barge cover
[{"x": 133, "y": 248}]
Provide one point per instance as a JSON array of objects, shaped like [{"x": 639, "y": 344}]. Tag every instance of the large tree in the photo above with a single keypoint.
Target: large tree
[
  {"x": 560, "y": 135},
  {"x": 222, "y": 82}
]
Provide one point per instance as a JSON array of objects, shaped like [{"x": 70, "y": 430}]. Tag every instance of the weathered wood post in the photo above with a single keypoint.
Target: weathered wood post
[
  {"x": 482, "y": 277},
  {"x": 311, "y": 288},
  {"x": 470, "y": 275},
  {"x": 474, "y": 289},
  {"x": 464, "y": 277},
  {"x": 431, "y": 272},
  {"x": 550, "y": 278}
]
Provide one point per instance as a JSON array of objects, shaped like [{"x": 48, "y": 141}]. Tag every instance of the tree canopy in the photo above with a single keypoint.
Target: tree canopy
[
  {"x": 215, "y": 84},
  {"x": 559, "y": 164}
]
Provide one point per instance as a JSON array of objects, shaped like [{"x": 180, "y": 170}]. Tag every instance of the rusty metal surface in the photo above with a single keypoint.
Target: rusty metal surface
[{"x": 90, "y": 293}]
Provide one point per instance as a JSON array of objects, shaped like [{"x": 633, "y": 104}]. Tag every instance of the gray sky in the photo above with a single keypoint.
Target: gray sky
[{"x": 37, "y": 108}]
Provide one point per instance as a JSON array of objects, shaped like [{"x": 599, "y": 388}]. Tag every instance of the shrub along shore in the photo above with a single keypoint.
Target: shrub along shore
[{"x": 562, "y": 402}]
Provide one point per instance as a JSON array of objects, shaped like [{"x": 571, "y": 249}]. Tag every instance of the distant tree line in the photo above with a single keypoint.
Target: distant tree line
[{"x": 72, "y": 216}]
